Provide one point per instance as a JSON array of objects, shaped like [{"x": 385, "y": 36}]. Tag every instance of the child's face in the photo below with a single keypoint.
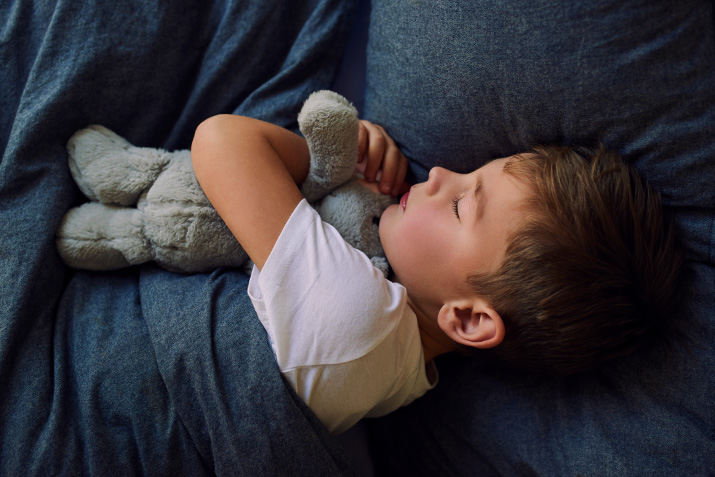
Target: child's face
[{"x": 450, "y": 227}]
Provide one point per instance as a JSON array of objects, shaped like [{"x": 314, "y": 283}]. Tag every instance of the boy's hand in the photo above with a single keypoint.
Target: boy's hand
[
  {"x": 371, "y": 186},
  {"x": 380, "y": 159}
]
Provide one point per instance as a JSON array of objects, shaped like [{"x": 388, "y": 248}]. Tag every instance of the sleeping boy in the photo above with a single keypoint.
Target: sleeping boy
[{"x": 554, "y": 260}]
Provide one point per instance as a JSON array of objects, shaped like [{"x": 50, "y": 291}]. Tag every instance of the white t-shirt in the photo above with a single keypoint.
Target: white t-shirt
[{"x": 343, "y": 336}]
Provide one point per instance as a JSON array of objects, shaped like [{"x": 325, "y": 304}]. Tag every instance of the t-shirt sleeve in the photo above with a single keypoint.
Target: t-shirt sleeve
[{"x": 343, "y": 336}]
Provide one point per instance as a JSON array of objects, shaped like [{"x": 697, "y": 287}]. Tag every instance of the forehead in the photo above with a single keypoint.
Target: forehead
[
  {"x": 513, "y": 172},
  {"x": 520, "y": 171},
  {"x": 523, "y": 166},
  {"x": 503, "y": 193},
  {"x": 504, "y": 200}
]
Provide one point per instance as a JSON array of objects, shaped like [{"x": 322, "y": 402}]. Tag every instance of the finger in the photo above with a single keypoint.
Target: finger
[
  {"x": 390, "y": 168},
  {"x": 391, "y": 164},
  {"x": 360, "y": 168},
  {"x": 375, "y": 151},
  {"x": 369, "y": 185},
  {"x": 399, "y": 185},
  {"x": 362, "y": 141}
]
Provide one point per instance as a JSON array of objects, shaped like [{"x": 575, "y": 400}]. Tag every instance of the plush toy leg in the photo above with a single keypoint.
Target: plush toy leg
[
  {"x": 96, "y": 236},
  {"x": 190, "y": 238},
  {"x": 109, "y": 169},
  {"x": 330, "y": 125}
]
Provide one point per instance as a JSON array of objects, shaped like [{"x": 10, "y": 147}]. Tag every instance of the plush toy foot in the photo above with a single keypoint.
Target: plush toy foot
[
  {"x": 330, "y": 125},
  {"x": 188, "y": 237},
  {"x": 102, "y": 237},
  {"x": 109, "y": 169}
]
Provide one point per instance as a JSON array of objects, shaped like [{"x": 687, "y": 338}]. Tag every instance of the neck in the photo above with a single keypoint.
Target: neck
[{"x": 434, "y": 341}]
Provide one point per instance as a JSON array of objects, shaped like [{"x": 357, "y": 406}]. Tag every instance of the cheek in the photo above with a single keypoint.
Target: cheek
[
  {"x": 413, "y": 242},
  {"x": 428, "y": 246}
]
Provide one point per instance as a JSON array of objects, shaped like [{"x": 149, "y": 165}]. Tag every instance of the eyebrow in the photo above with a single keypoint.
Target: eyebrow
[{"x": 480, "y": 199}]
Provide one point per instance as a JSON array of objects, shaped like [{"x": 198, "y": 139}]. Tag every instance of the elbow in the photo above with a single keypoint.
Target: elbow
[
  {"x": 208, "y": 139},
  {"x": 208, "y": 135}
]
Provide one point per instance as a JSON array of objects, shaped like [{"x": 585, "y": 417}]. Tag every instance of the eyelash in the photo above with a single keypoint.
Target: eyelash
[{"x": 455, "y": 206}]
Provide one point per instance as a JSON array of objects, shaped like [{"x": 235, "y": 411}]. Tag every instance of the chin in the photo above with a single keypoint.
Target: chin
[{"x": 384, "y": 218}]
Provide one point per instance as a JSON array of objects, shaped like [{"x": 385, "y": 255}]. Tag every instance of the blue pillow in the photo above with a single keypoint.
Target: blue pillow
[{"x": 459, "y": 83}]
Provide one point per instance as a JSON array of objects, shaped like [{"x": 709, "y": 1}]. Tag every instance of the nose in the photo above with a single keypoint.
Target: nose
[{"x": 435, "y": 179}]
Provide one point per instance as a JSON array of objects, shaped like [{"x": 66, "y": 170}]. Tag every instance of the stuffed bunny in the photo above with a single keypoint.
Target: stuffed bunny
[{"x": 146, "y": 204}]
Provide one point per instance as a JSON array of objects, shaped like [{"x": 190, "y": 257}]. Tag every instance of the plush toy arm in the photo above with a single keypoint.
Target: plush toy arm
[
  {"x": 109, "y": 169},
  {"x": 330, "y": 125}
]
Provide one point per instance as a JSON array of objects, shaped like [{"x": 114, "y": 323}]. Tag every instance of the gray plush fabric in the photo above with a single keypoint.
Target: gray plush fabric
[{"x": 148, "y": 206}]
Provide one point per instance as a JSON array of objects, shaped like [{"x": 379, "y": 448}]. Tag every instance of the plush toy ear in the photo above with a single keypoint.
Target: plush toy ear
[
  {"x": 330, "y": 125},
  {"x": 471, "y": 322}
]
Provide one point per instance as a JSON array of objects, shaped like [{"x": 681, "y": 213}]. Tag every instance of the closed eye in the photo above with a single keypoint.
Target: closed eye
[{"x": 455, "y": 206}]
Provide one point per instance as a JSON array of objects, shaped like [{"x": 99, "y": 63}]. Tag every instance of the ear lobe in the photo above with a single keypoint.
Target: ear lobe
[{"x": 472, "y": 323}]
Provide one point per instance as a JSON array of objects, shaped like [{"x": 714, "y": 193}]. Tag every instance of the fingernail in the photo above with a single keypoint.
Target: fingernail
[{"x": 386, "y": 189}]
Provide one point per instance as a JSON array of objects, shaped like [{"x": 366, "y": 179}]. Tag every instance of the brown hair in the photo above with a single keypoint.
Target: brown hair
[{"x": 593, "y": 273}]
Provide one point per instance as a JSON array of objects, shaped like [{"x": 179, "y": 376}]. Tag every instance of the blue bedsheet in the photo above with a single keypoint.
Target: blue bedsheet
[{"x": 143, "y": 371}]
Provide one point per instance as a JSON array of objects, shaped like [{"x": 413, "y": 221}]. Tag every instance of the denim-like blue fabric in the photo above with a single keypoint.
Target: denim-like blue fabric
[
  {"x": 459, "y": 83},
  {"x": 142, "y": 371}
]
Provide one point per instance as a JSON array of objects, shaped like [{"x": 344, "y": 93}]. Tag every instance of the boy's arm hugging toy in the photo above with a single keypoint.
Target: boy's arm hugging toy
[{"x": 146, "y": 204}]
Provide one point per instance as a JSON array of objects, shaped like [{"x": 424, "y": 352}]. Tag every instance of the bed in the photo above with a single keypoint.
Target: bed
[{"x": 143, "y": 371}]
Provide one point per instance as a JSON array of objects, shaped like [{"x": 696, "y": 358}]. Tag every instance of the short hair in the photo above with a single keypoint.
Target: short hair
[{"x": 593, "y": 273}]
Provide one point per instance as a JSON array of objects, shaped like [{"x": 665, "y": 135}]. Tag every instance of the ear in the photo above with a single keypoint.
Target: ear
[{"x": 472, "y": 323}]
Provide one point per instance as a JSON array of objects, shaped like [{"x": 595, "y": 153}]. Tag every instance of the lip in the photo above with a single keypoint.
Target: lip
[{"x": 403, "y": 200}]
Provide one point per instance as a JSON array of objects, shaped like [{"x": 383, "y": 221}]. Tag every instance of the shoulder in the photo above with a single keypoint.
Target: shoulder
[
  {"x": 389, "y": 375},
  {"x": 321, "y": 300}
]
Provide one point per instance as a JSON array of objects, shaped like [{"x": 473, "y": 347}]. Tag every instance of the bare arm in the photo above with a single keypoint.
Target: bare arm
[{"x": 249, "y": 170}]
